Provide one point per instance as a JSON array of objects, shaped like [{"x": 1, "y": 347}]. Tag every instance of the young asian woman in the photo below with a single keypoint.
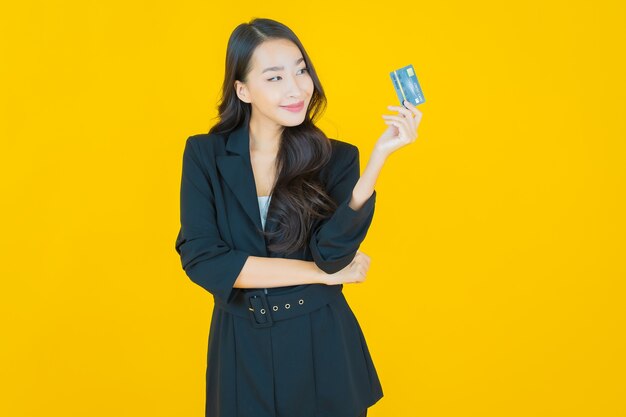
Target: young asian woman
[{"x": 272, "y": 216}]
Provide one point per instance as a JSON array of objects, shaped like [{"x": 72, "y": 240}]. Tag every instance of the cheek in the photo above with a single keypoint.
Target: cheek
[
  {"x": 305, "y": 84},
  {"x": 266, "y": 95},
  {"x": 309, "y": 86}
]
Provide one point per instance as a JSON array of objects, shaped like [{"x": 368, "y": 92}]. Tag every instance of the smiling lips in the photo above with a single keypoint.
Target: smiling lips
[{"x": 294, "y": 107}]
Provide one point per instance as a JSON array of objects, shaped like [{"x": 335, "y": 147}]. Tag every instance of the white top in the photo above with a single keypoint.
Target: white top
[{"x": 264, "y": 203}]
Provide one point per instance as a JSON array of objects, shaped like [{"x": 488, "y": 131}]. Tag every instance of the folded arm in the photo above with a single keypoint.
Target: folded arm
[
  {"x": 335, "y": 240},
  {"x": 209, "y": 261}
]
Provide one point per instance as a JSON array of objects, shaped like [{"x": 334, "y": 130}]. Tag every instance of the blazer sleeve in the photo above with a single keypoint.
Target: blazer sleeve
[
  {"x": 205, "y": 257},
  {"x": 335, "y": 241}
]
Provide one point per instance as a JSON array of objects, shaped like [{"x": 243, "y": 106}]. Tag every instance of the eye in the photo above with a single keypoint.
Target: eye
[{"x": 278, "y": 76}]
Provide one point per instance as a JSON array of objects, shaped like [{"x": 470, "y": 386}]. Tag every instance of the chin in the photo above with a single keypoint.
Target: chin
[
  {"x": 292, "y": 124},
  {"x": 295, "y": 121}
]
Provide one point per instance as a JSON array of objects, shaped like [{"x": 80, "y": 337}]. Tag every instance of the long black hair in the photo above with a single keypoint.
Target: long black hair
[{"x": 298, "y": 197}]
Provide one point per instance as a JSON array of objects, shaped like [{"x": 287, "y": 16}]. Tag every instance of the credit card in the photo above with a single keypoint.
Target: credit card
[{"x": 406, "y": 85}]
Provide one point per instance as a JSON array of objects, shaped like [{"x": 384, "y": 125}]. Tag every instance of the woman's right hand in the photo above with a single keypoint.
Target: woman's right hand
[{"x": 353, "y": 273}]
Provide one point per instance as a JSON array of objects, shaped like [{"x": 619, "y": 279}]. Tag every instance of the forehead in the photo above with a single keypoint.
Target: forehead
[{"x": 275, "y": 52}]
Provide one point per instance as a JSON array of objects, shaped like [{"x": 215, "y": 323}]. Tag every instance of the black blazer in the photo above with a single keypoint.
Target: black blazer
[{"x": 220, "y": 217}]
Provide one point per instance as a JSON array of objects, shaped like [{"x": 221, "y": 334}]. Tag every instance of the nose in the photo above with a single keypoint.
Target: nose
[{"x": 293, "y": 87}]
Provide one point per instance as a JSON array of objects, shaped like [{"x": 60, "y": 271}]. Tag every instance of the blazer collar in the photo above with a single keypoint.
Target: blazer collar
[
  {"x": 239, "y": 141},
  {"x": 236, "y": 169}
]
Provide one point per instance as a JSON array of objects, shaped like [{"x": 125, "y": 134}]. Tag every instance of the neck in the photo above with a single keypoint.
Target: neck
[{"x": 264, "y": 136}]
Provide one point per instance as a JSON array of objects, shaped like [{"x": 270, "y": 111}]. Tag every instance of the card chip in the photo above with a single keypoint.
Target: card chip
[{"x": 410, "y": 72}]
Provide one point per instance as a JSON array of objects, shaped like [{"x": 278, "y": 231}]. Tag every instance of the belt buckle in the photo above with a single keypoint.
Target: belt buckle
[{"x": 258, "y": 307}]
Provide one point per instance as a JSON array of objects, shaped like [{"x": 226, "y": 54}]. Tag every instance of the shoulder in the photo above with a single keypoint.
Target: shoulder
[
  {"x": 342, "y": 148},
  {"x": 207, "y": 142},
  {"x": 344, "y": 159},
  {"x": 343, "y": 154},
  {"x": 204, "y": 149}
]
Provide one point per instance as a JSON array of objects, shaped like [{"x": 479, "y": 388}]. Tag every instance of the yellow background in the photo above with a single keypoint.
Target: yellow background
[{"x": 497, "y": 281}]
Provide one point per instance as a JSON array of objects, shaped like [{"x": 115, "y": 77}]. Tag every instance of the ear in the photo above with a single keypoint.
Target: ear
[{"x": 242, "y": 91}]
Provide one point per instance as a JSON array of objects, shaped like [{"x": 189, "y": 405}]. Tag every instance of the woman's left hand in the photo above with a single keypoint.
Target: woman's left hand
[{"x": 402, "y": 129}]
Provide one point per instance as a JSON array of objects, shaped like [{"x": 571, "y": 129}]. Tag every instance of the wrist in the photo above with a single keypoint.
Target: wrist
[
  {"x": 320, "y": 276},
  {"x": 378, "y": 155}
]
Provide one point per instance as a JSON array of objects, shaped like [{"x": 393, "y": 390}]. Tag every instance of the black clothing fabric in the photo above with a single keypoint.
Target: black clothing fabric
[{"x": 313, "y": 365}]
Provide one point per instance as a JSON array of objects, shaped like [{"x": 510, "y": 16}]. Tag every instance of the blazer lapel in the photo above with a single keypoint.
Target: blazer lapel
[{"x": 236, "y": 169}]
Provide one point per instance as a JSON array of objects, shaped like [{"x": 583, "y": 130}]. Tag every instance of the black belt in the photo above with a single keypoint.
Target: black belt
[{"x": 264, "y": 309}]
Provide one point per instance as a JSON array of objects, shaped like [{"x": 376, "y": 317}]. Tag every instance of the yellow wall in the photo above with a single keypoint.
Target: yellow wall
[{"x": 497, "y": 281}]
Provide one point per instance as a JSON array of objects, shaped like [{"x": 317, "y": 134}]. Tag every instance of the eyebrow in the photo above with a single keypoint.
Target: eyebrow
[{"x": 280, "y": 68}]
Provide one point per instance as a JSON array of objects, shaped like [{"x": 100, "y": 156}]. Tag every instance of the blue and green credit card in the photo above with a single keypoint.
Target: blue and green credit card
[{"x": 406, "y": 85}]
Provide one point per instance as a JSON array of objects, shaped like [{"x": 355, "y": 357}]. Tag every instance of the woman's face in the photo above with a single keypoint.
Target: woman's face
[{"x": 278, "y": 78}]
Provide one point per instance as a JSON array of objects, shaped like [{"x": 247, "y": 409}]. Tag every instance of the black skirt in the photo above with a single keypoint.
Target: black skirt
[{"x": 314, "y": 365}]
